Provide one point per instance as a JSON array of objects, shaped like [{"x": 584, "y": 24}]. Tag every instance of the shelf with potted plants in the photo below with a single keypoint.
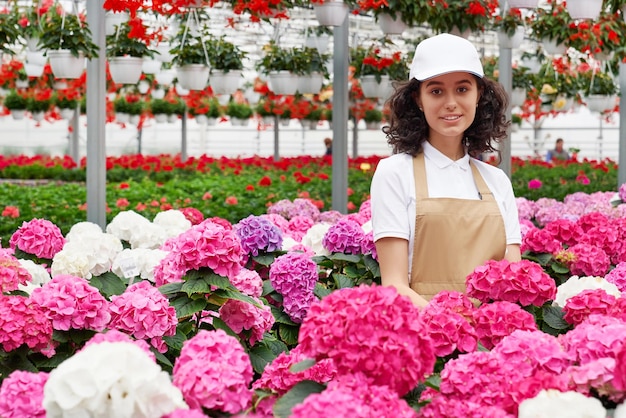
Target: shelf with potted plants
[
  {"x": 552, "y": 27},
  {"x": 191, "y": 60},
  {"x": 277, "y": 64},
  {"x": 376, "y": 70},
  {"x": 600, "y": 38},
  {"x": 239, "y": 112},
  {"x": 226, "y": 61},
  {"x": 39, "y": 102},
  {"x": 461, "y": 17},
  {"x": 67, "y": 42},
  {"x": 558, "y": 85},
  {"x": 128, "y": 108},
  {"x": 126, "y": 50},
  {"x": 205, "y": 110},
  {"x": 16, "y": 103}
]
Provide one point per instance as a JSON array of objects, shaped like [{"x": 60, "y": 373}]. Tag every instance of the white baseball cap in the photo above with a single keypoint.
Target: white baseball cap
[{"x": 442, "y": 54}]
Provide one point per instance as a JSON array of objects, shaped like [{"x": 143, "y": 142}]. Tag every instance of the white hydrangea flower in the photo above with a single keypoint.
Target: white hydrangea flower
[
  {"x": 38, "y": 273},
  {"x": 173, "y": 221},
  {"x": 575, "y": 284},
  {"x": 620, "y": 411},
  {"x": 148, "y": 236},
  {"x": 72, "y": 261},
  {"x": 125, "y": 223},
  {"x": 83, "y": 229},
  {"x": 367, "y": 227},
  {"x": 553, "y": 403},
  {"x": 289, "y": 243},
  {"x": 314, "y": 236},
  {"x": 110, "y": 379},
  {"x": 143, "y": 260}
]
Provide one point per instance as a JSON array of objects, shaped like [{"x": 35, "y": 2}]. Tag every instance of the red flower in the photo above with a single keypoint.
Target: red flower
[
  {"x": 265, "y": 181},
  {"x": 11, "y": 212},
  {"x": 231, "y": 200}
]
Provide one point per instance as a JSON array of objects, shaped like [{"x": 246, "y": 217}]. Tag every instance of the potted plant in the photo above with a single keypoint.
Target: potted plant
[
  {"x": 332, "y": 12},
  {"x": 599, "y": 89},
  {"x": 66, "y": 103},
  {"x": 310, "y": 68},
  {"x": 278, "y": 64},
  {"x": 205, "y": 110},
  {"x": 510, "y": 28},
  {"x": 16, "y": 103},
  {"x": 239, "y": 113},
  {"x": 128, "y": 108},
  {"x": 9, "y": 33},
  {"x": 460, "y": 17},
  {"x": 226, "y": 60},
  {"x": 67, "y": 42},
  {"x": 191, "y": 59},
  {"x": 372, "y": 118},
  {"x": 126, "y": 51},
  {"x": 376, "y": 70},
  {"x": 161, "y": 109},
  {"x": 394, "y": 16},
  {"x": 39, "y": 103},
  {"x": 551, "y": 26}
]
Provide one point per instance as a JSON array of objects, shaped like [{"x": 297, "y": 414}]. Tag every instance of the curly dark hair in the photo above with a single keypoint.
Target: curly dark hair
[{"x": 407, "y": 129}]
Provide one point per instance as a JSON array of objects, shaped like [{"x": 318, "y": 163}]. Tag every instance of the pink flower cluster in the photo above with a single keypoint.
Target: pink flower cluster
[
  {"x": 494, "y": 321},
  {"x": 278, "y": 377},
  {"x": 22, "y": 321},
  {"x": 449, "y": 332},
  {"x": 38, "y": 237},
  {"x": 619, "y": 381},
  {"x": 12, "y": 274},
  {"x": 214, "y": 372},
  {"x": 617, "y": 276},
  {"x": 354, "y": 396},
  {"x": 193, "y": 215},
  {"x": 538, "y": 240},
  {"x": 588, "y": 260},
  {"x": 21, "y": 395},
  {"x": 346, "y": 236},
  {"x": 443, "y": 407},
  {"x": 248, "y": 282},
  {"x": 452, "y": 301},
  {"x": 145, "y": 313},
  {"x": 242, "y": 316},
  {"x": 113, "y": 336},
  {"x": 186, "y": 413},
  {"x": 294, "y": 275},
  {"x": 523, "y": 282},
  {"x": 353, "y": 327},
  {"x": 590, "y": 301},
  {"x": 299, "y": 207},
  {"x": 565, "y": 231},
  {"x": 298, "y": 226},
  {"x": 72, "y": 303},
  {"x": 257, "y": 234},
  {"x": 596, "y": 337}
]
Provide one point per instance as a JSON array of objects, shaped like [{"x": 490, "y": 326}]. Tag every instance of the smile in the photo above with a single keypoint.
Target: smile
[{"x": 451, "y": 117}]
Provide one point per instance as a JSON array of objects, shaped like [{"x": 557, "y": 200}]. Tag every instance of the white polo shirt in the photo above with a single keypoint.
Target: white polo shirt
[{"x": 393, "y": 192}]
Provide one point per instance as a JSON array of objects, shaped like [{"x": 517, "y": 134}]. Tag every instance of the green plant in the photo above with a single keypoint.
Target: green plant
[
  {"x": 190, "y": 49},
  {"x": 315, "y": 114},
  {"x": 597, "y": 83},
  {"x": 522, "y": 78},
  {"x": 374, "y": 61},
  {"x": 553, "y": 23},
  {"x": 162, "y": 106},
  {"x": 131, "y": 105},
  {"x": 308, "y": 61},
  {"x": 509, "y": 22},
  {"x": 121, "y": 44},
  {"x": 413, "y": 13},
  {"x": 373, "y": 115},
  {"x": 461, "y": 15},
  {"x": 239, "y": 110},
  {"x": 67, "y": 32},
  {"x": 9, "y": 33},
  {"x": 276, "y": 58},
  {"x": 63, "y": 102},
  {"x": 36, "y": 105},
  {"x": 15, "y": 101},
  {"x": 224, "y": 55}
]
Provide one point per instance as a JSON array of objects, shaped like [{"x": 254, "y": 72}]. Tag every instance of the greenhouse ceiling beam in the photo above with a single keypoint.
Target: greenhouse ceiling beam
[
  {"x": 96, "y": 111},
  {"x": 340, "y": 118}
]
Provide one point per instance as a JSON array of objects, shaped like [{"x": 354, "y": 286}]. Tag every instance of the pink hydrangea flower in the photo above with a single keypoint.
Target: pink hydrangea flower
[
  {"x": 113, "y": 336},
  {"x": 246, "y": 319},
  {"x": 72, "y": 303},
  {"x": 481, "y": 281},
  {"x": 565, "y": 231},
  {"x": 145, "y": 313},
  {"x": 368, "y": 246},
  {"x": 186, "y": 413},
  {"x": 214, "y": 372},
  {"x": 596, "y": 377},
  {"x": 21, "y": 395},
  {"x": 525, "y": 208},
  {"x": 169, "y": 270},
  {"x": 591, "y": 220},
  {"x": 588, "y": 302},
  {"x": 22, "y": 321},
  {"x": 605, "y": 236},
  {"x": 596, "y": 337},
  {"x": 452, "y": 301},
  {"x": 366, "y": 208},
  {"x": 619, "y": 379},
  {"x": 278, "y": 377},
  {"x": 298, "y": 225},
  {"x": 278, "y": 220},
  {"x": 346, "y": 236},
  {"x": 38, "y": 237},
  {"x": 193, "y": 215},
  {"x": 350, "y": 325},
  {"x": 12, "y": 274},
  {"x": 294, "y": 275},
  {"x": 540, "y": 241},
  {"x": 449, "y": 333},
  {"x": 258, "y": 234},
  {"x": 209, "y": 244},
  {"x": 617, "y": 276},
  {"x": 494, "y": 321},
  {"x": 588, "y": 260},
  {"x": 443, "y": 407},
  {"x": 248, "y": 282}
]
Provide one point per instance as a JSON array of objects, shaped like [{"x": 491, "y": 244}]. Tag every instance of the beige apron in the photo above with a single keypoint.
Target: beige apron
[{"x": 452, "y": 236}]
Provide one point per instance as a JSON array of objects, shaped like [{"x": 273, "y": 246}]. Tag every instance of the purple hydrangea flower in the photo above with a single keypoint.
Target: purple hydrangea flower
[
  {"x": 346, "y": 236},
  {"x": 258, "y": 234}
]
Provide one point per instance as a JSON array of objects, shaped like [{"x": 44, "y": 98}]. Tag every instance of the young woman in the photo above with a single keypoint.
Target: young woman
[{"x": 438, "y": 212}]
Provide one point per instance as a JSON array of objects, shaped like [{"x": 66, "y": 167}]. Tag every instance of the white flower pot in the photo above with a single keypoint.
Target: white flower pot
[
  {"x": 125, "y": 70},
  {"x": 310, "y": 84},
  {"x": 584, "y": 9},
  {"x": 33, "y": 70},
  {"x": 151, "y": 66},
  {"x": 391, "y": 25},
  {"x": 143, "y": 87},
  {"x": 60, "y": 85},
  {"x": 285, "y": 121},
  {"x": 112, "y": 20},
  {"x": 201, "y": 119},
  {"x": 66, "y": 113},
  {"x": 283, "y": 82},
  {"x": 372, "y": 125},
  {"x": 36, "y": 57},
  {"x": 222, "y": 82},
  {"x": 181, "y": 91},
  {"x": 532, "y": 63},
  {"x": 193, "y": 76},
  {"x": 552, "y": 47},
  {"x": 172, "y": 118},
  {"x": 518, "y": 96},
  {"x": 38, "y": 116},
  {"x": 160, "y": 118},
  {"x": 122, "y": 117},
  {"x": 372, "y": 88},
  {"x": 165, "y": 77},
  {"x": 331, "y": 12},
  {"x": 18, "y": 114},
  {"x": 21, "y": 84},
  {"x": 157, "y": 94},
  {"x": 65, "y": 65},
  {"x": 267, "y": 120},
  {"x": 32, "y": 44},
  {"x": 239, "y": 122},
  {"x": 134, "y": 119},
  {"x": 514, "y": 41},
  {"x": 523, "y": 4},
  {"x": 599, "y": 103}
]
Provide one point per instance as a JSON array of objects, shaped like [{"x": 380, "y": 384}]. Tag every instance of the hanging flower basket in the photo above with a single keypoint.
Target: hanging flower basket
[
  {"x": 193, "y": 76},
  {"x": 331, "y": 12},
  {"x": 283, "y": 83},
  {"x": 125, "y": 70},
  {"x": 518, "y": 96},
  {"x": 506, "y": 41},
  {"x": 599, "y": 102},
  {"x": 552, "y": 47},
  {"x": 65, "y": 65},
  {"x": 523, "y": 4},
  {"x": 391, "y": 25},
  {"x": 223, "y": 82},
  {"x": 33, "y": 70},
  {"x": 584, "y": 9},
  {"x": 151, "y": 66},
  {"x": 310, "y": 83},
  {"x": 375, "y": 89}
]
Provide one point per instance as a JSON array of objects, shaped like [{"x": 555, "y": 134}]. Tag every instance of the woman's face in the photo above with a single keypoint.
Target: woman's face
[{"x": 449, "y": 104}]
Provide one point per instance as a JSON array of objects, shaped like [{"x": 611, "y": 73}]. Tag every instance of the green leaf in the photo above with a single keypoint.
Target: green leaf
[
  {"x": 372, "y": 266},
  {"x": 176, "y": 341},
  {"x": 268, "y": 288},
  {"x": 542, "y": 259},
  {"x": 289, "y": 334},
  {"x": 260, "y": 356},
  {"x": 321, "y": 291},
  {"x": 433, "y": 381},
  {"x": 302, "y": 365},
  {"x": 237, "y": 295},
  {"x": 205, "y": 283},
  {"x": 218, "y": 323},
  {"x": 265, "y": 259},
  {"x": 295, "y": 396},
  {"x": 553, "y": 316},
  {"x": 559, "y": 268},
  {"x": 108, "y": 284},
  {"x": 161, "y": 358},
  {"x": 53, "y": 362},
  {"x": 186, "y": 307},
  {"x": 281, "y": 317},
  {"x": 343, "y": 281},
  {"x": 350, "y": 258},
  {"x": 171, "y": 289}
]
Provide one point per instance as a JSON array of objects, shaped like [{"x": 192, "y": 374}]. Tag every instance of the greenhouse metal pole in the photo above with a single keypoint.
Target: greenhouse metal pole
[
  {"x": 183, "y": 144},
  {"x": 621, "y": 160},
  {"x": 96, "y": 111},
  {"x": 74, "y": 137},
  {"x": 506, "y": 79},
  {"x": 340, "y": 118}
]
